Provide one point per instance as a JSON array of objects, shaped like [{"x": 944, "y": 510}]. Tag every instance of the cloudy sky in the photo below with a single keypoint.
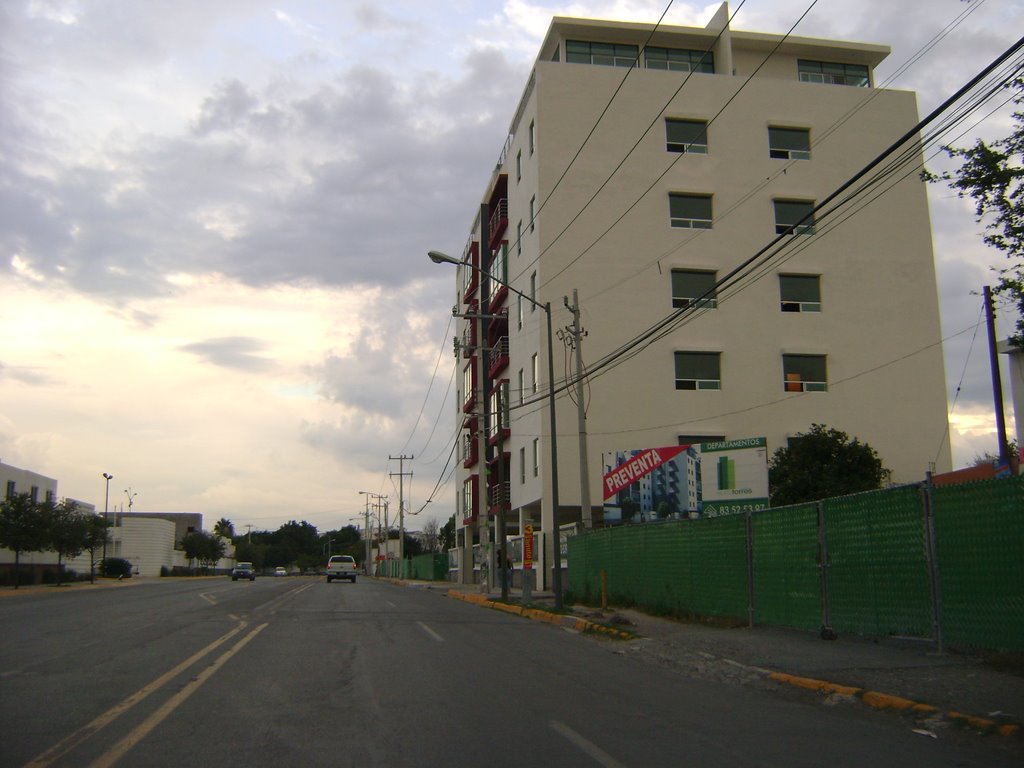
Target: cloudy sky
[{"x": 214, "y": 216}]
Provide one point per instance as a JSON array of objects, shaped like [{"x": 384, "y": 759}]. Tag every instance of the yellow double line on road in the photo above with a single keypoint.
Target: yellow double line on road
[{"x": 110, "y": 757}]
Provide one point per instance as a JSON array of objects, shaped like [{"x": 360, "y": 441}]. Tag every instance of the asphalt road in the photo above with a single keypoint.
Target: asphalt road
[{"x": 297, "y": 672}]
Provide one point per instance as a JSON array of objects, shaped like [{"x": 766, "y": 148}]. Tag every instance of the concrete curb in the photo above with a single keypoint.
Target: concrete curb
[
  {"x": 878, "y": 700},
  {"x": 873, "y": 699},
  {"x": 539, "y": 614}
]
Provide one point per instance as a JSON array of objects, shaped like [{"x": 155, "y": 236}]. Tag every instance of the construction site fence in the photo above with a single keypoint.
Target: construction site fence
[
  {"x": 428, "y": 567},
  {"x": 939, "y": 563}
]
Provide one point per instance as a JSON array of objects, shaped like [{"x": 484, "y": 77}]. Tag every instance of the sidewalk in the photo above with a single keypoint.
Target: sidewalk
[{"x": 907, "y": 675}]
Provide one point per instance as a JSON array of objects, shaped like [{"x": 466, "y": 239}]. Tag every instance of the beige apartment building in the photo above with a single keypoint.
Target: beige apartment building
[{"x": 644, "y": 168}]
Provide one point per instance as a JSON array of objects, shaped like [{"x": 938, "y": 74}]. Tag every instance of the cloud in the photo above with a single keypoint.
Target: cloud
[
  {"x": 23, "y": 375},
  {"x": 237, "y": 352}
]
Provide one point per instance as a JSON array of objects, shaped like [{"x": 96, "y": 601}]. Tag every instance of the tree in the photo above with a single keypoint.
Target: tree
[
  {"x": 432, "y": 535},
  {"x": 96, "y": 536},
  {"x": 993, "y": 175},
  {"x": 224, "y": 528},
  {"x": 67, "y": 531},
  {"x": 821, "y": 463},
  {"x": 22, "y": 528},
  {"x": 447, "y": 535},
  {"x": 204, "y": 547}
]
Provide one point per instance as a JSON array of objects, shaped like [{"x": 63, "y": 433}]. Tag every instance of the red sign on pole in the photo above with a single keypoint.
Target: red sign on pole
[{"x": 528, "y": 547}]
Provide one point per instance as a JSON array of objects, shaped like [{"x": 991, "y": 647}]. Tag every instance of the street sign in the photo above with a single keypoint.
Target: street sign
[{"x": 528, "y": 547}]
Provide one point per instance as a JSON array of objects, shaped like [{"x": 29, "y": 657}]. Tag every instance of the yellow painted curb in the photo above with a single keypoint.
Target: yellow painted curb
[{"x": 885, "y": 701}]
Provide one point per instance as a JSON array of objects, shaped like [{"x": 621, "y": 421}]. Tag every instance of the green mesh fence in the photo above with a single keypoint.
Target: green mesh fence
[
  {"x": 878, "y": 575},
  {"x": 878, "y": 567},
  {"x": 979, "y": 532},
  {"x": 786, "y": 574}
]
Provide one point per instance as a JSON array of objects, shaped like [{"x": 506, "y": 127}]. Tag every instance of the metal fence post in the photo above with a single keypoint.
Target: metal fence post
[
  {"x": 827, "y": 633},
  {"x": 751, "y": 595},
  {"x": 933, "y": 560}
]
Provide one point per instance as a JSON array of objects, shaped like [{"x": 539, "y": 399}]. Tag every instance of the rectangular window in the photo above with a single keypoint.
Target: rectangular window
[
  {"x": 498, "y": 271},
  {"x": 519, "y": 165},
  {"x": 536, "y": 456},
  {"x": 33, "y": 494},
  {"x": 533, "y": 204},
  {"x": 804, "y": 373},
  {"x": 533, "y": 373},
  {"x": 522, "y": 466},
  {"x": 698, "y": 439},
  {"x": 533, "y": 292},
  {"x": 694, "y": 288},
  {"x": 10, "y": 489},
  {"x": 686, "y": 136},
  {"x": 679, "y": 60},
  {"x": 532, "y": 137},
  {"x": 519, "y": 313},
  {"x": 698, "y": 370},
  {"x": 690, "y": 211},
  {"x": 522, "y": 386},
  {"x": 794, "y": 217},
  {"x": 519, "y": 237},
  {"x": 800, "y": 293},
  {"x": 789, "y": 143},
  {"x": 467, "y": 498},
  {"x": 833, "y": 73},
  {"x": 605, "y": 54}
]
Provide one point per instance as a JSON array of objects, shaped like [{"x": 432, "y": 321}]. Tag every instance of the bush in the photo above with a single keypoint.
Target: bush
[{"x": 116, "y": 567}]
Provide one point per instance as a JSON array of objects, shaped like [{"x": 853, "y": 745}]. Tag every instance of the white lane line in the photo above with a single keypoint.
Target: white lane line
[
  {"x": 211, "y": 599},
  {"x": 390, "y": 604},
  {"x": 430, "y": 632},
  {"x": 588, "y": 747}
]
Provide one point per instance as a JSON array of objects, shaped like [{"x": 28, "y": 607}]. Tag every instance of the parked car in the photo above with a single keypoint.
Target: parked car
[
  {"x": 280, "y": 571},
  {"x": 243, "y": 571},
  {"x": 342, "y": 567}
]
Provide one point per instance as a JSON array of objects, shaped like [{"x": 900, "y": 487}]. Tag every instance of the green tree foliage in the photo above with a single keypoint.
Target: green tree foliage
[
  {"x": 821, "y": 463},
  {"x": 224, "y": 528},
  {"x": 67, "y": 531},
  {"x": 992, "y": 174},
  {"x": 206, "y": 548},
  {"x": 22, "y": 528},
  {"x": 96, "y": 535},
  {"x": 446, "y": 538}
]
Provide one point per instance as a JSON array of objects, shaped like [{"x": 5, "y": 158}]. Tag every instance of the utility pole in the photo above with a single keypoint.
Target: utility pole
[
  {"x": 401, "y": 507},
  {"x": 573, "y": 336},
  {"x": 997, "y": 382}
]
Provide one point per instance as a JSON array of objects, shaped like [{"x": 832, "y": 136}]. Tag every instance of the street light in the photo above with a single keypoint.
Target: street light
[
  {"x": 106, "y": 501},
  {"x": 377, "y": 496},
  {"x": 556, "y": 572}
]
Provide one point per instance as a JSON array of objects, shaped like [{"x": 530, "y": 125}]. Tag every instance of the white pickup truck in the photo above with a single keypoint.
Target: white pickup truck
[{"x": 341, "y": 567}]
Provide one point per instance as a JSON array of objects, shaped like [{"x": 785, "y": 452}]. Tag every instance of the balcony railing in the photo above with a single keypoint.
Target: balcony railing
[
  {"x": 499, "y": 221},
  {"x": 497, "y": 356}
]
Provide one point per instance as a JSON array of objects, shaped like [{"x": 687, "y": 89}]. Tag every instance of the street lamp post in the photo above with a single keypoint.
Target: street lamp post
[
  {"x": 556, "y": 545},
  {"x": 378, "y": 498},
  {"x": 106, "y": 502}
]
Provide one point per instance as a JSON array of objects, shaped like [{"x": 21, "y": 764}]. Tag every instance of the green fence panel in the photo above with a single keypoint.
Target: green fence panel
[
  {"x": 719, "y": 576},
  {"x": 979, "y": 532},
  {"x": 878, "y": 580},
  {"x": 787, "y": 580}
]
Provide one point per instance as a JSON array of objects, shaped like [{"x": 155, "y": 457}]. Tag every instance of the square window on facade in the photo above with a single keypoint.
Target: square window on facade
[
  {"x": 690, "y": 211},
  {"x": 694, "y": 288},
  {"x": 804, "y": 373},
  {"x": 698, "y": 370},
  {"x": 833, "y": 73},
  {"x": 686, "y": 136},
  {"x": 800, "y": 293},
  {"x": 789, "y": 143},
  {"x": 794, "y": 217},
  {"x": 679, "y": 60}
]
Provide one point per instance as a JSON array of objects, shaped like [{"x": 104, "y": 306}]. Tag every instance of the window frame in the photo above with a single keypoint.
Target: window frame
[
  {"x": 687, "y": 147},
  {"x": 790, "y": 303},
  {"x": 687, "y": 302},
  {"x": 701, "y": 62},
  {"x": 601, "y": 54},
  {"x": 794, "y": 228},
  {"x": 702, "y": 383},
  {"x": 844, "y": 73},
  {"x": 689, "y": 222},
  {"x": 792, "y": 380},
  {"x": 778, "y": 152}
]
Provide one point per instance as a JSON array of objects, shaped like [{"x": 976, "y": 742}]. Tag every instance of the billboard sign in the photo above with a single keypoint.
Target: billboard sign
[{"x": 700, "y": 480}]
